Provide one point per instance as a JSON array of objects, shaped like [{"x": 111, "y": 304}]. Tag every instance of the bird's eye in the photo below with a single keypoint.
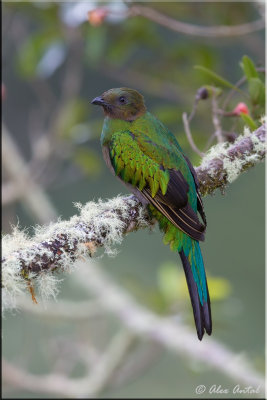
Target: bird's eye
[{"x": 122, "y": 99}]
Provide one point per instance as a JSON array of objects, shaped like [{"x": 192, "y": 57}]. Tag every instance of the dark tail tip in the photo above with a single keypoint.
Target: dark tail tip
[
  {"x": 207, "y": 315},
  {"x": 202, "y": 313}
]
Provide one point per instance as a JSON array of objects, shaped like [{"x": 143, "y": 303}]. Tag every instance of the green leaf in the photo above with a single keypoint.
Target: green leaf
[
  {"x": 249, "y": 121},
  {"x": 217, "y": 78},
  {"x": 256, "y": 90},
  {"x": 249, "y": 68}
]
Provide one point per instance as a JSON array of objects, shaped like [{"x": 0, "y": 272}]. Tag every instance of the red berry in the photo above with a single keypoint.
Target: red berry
[
  {"x": 97, "y": 16},
  {"x": 241, "y": 108}
]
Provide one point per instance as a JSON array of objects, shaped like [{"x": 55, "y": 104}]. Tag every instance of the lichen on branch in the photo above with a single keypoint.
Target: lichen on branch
[
  {"x": 225, "y": 161},
  {"x": 58, "y": 246}
]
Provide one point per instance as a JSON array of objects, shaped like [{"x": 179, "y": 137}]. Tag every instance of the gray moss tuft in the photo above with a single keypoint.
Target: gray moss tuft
[{"x": 56, "y": 247}]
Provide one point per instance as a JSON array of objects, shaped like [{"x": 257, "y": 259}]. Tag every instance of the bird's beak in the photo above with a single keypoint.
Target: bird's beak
[{"x": 98, "y": 101}]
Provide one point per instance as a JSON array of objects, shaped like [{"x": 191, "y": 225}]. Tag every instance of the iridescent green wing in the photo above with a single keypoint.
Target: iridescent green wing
[
  {"x": 134, "y": 166},
  {"x": 151, "y": 169}
]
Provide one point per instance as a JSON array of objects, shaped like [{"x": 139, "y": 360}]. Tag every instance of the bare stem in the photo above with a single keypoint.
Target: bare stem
[
  {"x": 190, "y": 137},
  {"x": 216, "y": 120},
  {"x": 195, "y": 30},
  {"x": 237, "y": 85}
]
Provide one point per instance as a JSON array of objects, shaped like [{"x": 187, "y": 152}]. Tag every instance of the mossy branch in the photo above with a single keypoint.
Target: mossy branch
[
  {"x": 224, "y": 162},
  {"x": 56, "y": 247}
]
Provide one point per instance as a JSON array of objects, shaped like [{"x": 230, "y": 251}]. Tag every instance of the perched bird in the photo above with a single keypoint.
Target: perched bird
[{"x": 146, "y": 156}]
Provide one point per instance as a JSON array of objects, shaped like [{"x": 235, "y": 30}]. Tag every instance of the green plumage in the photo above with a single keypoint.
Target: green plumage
[
  {"x": 138, "y": 148},
  {"x": 144, "y": 154}
]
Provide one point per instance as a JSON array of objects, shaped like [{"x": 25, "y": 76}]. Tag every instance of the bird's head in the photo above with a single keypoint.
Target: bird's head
[{"x": 121, "y": 103}]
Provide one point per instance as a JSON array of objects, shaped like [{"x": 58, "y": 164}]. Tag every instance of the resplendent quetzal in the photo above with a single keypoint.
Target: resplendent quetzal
[{"x": 146, "y": 156}]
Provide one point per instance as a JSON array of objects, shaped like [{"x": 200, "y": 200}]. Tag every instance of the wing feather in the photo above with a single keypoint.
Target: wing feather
[
  {"x": 200, "y": 206},
  {"x": 139, "y": 169}
]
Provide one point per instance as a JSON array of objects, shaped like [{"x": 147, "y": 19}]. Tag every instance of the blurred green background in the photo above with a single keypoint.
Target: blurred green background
[{"x": 54, "y": 63}]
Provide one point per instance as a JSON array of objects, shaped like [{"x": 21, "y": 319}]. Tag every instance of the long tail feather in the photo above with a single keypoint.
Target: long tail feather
[{"x": 198, "y": 289}]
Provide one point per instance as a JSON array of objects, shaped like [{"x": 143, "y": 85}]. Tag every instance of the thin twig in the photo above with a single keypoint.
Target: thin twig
[
  {"x": 233, "y": 91},
  {"x": 194, "y": 30},
  {"x": 194, "y": 109},
  {"x": 216, "y": 119},
  {"x": 189, "y": 135},
  {"x": 239, "y": 83}
]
